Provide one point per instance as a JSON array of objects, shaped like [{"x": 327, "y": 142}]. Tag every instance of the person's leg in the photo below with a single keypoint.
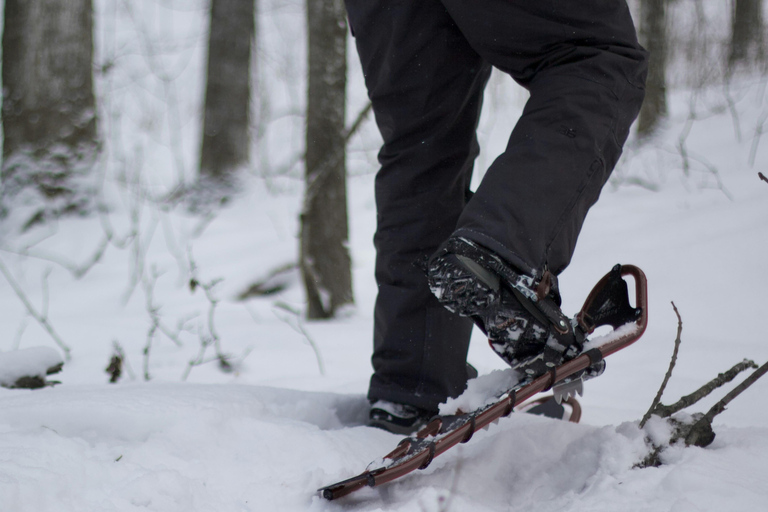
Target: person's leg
[
  {"x": 585, "y": 71},
  {"x": 426, "y": 84}
]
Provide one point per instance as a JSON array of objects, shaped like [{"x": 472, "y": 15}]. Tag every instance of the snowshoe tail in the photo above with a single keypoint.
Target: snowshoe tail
[{"x": 607, "y": 304}]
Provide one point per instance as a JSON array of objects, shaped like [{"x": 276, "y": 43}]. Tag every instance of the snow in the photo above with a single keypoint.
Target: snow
[
  {"x": 269, "y": 432},
  {"x": 481, "y": 391},
  {"x": 30, "y": 362}
]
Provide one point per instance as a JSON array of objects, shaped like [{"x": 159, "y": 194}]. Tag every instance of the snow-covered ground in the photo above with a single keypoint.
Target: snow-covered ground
[{"x": 286, "y": 419}]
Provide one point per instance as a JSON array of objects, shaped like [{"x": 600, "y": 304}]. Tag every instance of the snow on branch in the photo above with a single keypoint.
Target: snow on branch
[{"x": 27, "y": 368}]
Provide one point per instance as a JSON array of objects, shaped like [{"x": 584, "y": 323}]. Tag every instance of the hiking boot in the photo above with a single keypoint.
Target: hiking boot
[
  {"x": 398, "y": 418},
  {"x": 520, "y": 316}
]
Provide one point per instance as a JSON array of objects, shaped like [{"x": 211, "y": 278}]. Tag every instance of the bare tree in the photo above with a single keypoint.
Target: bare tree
[
  {"x": 324, "y": 259},
  {"x": 49, "y": 113},
  {"x": 747, "y": 41},
  {"x": 225, "y": 138},
  {"x": 653, "y": 35}
]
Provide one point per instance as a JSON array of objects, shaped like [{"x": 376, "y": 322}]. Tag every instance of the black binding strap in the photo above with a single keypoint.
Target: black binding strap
[
  {"x": 430, "y": 457},
  {"x": 595, "y": 356},
  {"x": 511, "y": 398},
  {"x": 472, "y": 426},
  {"x": 553, "y": 379}
]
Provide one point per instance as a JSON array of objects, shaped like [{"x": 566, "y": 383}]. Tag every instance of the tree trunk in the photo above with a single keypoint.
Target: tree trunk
[
  {"x": 746, "y": 33},
  {"x": 653, "y": 35},
  {"x": 49, "y": 111},
  {"x": 324, "y": 258},
  {"x": 225, "y": 139}
]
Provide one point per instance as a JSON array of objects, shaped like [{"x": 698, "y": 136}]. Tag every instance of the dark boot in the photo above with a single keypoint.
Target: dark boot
[{"x": 520, "y": 314}]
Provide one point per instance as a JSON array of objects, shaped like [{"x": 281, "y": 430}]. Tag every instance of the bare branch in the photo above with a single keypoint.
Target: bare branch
[
  {"x": 41, "y": 319},
  {"x": 720, "y": 406},
  {"x": 657, "y": 400},
  {"x": 701, "y": 433},
  {"x": 667, "y": 410},
  {"x": 349, "y": 132}
]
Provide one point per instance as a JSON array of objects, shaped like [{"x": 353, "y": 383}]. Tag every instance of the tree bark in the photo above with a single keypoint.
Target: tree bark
[
  {"x": 225, "y": 140},
  {"x": 49, "y": 109},
  {"x": 747, "y": 41},
  {"x": 653, "y": 35},
  {"x": 324, "y": 259}
]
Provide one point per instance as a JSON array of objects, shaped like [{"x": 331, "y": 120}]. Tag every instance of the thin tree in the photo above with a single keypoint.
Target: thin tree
[
  {"x": 747, "y": 39},
  {"x": 49, "y": 110},
  {"x": 653, "y": 36},
  {"x": 324, "y": 255},
  {"x": 225, "y": 137}
]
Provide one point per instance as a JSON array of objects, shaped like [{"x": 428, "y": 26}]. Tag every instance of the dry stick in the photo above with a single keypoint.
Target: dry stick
[
  {"x": 722, "y": 379},
  {"x": 349, "y": 132},
  {"x": 720, "y": 406},
  {"x": 347, "y": 135},
  {"x": 700, "y": 434},
  {"x": 299, "y": 327},
  {"x": 41, "y": 319},
  {"x": 672, "y": 363}
]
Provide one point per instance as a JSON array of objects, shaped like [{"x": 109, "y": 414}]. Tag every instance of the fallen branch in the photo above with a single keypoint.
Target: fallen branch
[
  {"x": 722, "y": 379},
  {"x": 706, "y": 421},
  {"x": 695, "y": 429}
]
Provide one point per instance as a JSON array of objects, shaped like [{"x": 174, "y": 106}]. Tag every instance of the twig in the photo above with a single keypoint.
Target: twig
[
  {"x": 701, "y": 433},
  {"x": 147, "y": 350},
  {"x": 156, "y": 324},
  {"x": 212, "y": 337},
  {"x": 722, "y": 379},
  {"x": 200, "y": 359},
  {"x": 349, "y": 132},
  {"x": 672, "y": 363},
  {"x": 41, "y": 319},
  {"x": 213, "y": 302},
  {"x": 299, "y": 327},
  {"x": 720, "y": 406},
  {"x": 19, "y": 333}
]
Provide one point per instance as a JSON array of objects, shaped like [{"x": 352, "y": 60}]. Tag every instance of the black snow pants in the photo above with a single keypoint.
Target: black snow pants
[{"x": 426, "y": 63}]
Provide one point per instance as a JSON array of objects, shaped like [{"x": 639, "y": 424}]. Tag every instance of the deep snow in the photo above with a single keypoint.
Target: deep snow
[{"x": 267, "y": 434}]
